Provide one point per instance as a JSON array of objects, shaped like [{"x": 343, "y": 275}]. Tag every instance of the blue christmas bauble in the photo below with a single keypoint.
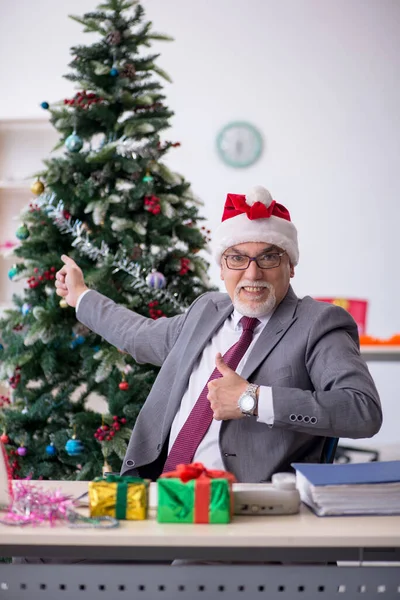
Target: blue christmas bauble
[
  {"x": 50, "y": 450},
  {"x": 156, "y": 280},
  {"x": 13, "y": 272},
  {"x": 26, "y": 308},
  {"x": 45, "y": 105},
  {"x": 74, "y": 447},
  {"x": 1, "y": 347},
  {"x": 77, "y": 341},
  {"x": 22, "y": 232},
  {"x": 114, "y": 72},
  {"x": 74, "y": 143}
]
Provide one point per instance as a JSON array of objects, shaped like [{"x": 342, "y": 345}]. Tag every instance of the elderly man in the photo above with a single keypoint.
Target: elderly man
[{"x": 251, "y": 380}]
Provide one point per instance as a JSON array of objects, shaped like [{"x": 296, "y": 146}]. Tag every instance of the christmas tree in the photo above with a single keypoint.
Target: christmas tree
[{"x": 108, "y": 200}]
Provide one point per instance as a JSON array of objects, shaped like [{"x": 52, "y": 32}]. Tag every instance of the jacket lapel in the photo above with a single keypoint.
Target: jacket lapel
[
  {"x": 212, "y": 317},
  {"x": 281, "y": 320}
]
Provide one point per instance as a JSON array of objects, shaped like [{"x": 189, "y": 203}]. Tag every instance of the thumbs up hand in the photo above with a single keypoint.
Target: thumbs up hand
[{"x": 224, "y": 393}]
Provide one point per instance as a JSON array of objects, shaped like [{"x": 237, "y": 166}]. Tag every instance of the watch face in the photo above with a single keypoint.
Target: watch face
[
  {"x": 247, "y": 403},
  {"x": 239, "y": 144}
]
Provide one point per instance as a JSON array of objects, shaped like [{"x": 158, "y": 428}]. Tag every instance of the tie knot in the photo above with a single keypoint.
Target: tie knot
[{"x": 249, "y": 323}]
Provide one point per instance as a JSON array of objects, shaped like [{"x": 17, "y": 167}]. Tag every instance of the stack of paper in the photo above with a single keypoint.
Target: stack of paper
[{"x": 350, "y": 489}]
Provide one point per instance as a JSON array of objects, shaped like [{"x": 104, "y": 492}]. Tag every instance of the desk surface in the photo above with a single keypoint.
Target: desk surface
[{"x": 303, "y": 530}]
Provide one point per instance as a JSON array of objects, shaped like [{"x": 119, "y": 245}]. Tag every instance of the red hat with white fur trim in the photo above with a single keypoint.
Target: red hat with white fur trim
[{"x": 255, "y": 218}]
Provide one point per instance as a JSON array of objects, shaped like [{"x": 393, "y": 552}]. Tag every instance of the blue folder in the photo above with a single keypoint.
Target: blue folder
[{"x": 350, "y": 473}]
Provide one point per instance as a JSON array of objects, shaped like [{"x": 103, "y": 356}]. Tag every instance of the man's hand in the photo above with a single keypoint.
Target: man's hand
[
  {"x": 224, "y": 393},
  {"x": 69, "y": 281}
]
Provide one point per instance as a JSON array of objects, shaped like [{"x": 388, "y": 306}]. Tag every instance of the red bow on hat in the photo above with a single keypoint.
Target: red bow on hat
[{"x": 236, "y": 205}]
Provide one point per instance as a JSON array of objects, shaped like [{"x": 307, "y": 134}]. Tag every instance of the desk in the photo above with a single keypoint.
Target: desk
[{"x": 302, "y": 538}]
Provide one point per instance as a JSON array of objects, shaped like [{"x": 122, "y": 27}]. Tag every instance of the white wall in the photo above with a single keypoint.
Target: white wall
[{"x": 318, "y": 77}]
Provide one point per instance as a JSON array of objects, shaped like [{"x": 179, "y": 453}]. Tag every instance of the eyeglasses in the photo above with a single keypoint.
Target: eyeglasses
[{"x": 241, "y": 262}]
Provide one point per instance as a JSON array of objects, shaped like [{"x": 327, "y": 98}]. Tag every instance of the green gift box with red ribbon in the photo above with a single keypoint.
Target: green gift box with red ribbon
[{"x": 194, "y": 494}]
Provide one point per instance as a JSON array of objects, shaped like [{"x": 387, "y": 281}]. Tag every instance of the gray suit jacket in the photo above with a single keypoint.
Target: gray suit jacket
[{"x": 308, "y": 353}]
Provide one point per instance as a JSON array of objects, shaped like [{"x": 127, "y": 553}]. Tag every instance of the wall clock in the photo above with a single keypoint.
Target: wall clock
[{"x": 239, "y": 144}]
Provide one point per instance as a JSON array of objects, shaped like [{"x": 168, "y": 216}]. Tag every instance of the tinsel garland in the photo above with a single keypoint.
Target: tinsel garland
[{"x": 82, "y": 242}]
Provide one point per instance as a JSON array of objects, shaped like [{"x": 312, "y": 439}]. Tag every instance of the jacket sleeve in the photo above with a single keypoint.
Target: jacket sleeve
[
  {"x": 147, "y": 340},
  {"x": 344, "y": 402}
]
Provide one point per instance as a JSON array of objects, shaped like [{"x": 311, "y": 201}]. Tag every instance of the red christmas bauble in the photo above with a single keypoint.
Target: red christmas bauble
[
  {"x": 124, "y": 385},
  {"x": 4, "y": 438}
]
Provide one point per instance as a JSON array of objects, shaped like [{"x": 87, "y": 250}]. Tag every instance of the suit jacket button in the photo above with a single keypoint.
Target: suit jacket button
[
  {"x": 130, "y": 463},
  {"x": 292, "y": 417},
  {"x": 313, "y": 420}
]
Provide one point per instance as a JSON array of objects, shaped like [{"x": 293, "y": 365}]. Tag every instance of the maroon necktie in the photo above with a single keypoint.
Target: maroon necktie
[{"x": 201, "y": 415}]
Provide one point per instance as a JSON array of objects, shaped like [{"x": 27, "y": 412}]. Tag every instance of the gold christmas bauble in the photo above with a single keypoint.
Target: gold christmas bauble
[
  {"x": 37, "y": 187},
  {"x": 63, "y": 303}
]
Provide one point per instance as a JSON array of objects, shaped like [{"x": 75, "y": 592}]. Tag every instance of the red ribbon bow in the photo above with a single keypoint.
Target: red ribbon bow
[
  {"x": 195, "y": 470},
  {"x": 236, "y": 205}
]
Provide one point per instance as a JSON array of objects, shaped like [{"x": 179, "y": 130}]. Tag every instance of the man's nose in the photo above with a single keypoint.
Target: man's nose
[{"x": 253, "y": 270}]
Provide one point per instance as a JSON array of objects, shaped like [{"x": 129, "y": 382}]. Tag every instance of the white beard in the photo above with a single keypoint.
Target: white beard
[{"x": 261, "y": 309}]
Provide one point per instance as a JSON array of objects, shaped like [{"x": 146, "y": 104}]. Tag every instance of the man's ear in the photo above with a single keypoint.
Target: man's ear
[
  {"x": 291, "y": 270},
  {"x": 221, "y": 272}
]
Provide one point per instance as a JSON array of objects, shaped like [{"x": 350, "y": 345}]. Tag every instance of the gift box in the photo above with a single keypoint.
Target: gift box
[
  {"x": 120, "y": 497},
  {"x": 194, "y": 494}
]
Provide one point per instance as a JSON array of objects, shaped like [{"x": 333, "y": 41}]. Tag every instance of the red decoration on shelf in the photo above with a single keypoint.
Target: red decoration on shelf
[
  {"x": 152, "y": 204},
  {"x": 124, "y": 385}
]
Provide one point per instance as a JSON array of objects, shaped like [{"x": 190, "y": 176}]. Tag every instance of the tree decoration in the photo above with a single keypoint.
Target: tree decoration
[
  {"x": 22, "y": 232},
  {"x": 128, "y": 71},
  {"x": 63, "y": 303},
  {"x": 45, "y": 105},
  {"x": 152, "y": 204},
  {"x": 4, "y": 439},
  {"x": 114, "y": 38},
  {"x": 156, "y": 280},
  {"x": 50, "y": 450},
  {"x": 148, "y": 178},
  {"x": 124, "y": 385},
  {"x": 13, "y": 272},
  {"x": 22, "y": 451},
  {"x": 185, "y": 262},
  {"x": 114, "y": 72},
  {"x": 154, "y": 312},
  {"x": 16, "y": 378},
  {"x": 74, "y": 447},
  {"x": 26, "y": 308},
  {"x": 74, "y": 143},
  {"x": 37, "y": 188}
]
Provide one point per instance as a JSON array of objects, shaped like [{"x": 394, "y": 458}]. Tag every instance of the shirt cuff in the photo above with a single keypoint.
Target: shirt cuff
[
  {"x": 265, "y": 406},
  {"x": 79, "y": 300}
]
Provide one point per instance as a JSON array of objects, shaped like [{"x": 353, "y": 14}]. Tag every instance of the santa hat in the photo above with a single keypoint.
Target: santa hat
[{"x": 255, "y": 218}]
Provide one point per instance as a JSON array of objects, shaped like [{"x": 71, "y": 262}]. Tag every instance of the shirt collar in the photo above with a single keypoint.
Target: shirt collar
[{"x": 236, "y": 316}]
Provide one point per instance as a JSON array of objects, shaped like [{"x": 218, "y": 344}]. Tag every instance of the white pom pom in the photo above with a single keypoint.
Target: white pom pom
[{"x": 258, "y": 194}]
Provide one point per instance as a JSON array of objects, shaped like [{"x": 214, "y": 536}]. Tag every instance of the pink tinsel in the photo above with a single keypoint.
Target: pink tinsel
[{"x": 33, "y": 506}]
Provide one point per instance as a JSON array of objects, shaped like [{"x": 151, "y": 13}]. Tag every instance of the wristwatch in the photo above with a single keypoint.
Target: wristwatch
[{"x": 248, "y": 400}]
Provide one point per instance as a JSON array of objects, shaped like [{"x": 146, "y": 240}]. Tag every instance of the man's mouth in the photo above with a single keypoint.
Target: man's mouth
[{"x": 253, "y": 290}]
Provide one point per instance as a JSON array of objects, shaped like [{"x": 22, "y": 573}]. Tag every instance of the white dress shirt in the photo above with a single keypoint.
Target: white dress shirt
[{"x": 208, "y": 451}]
